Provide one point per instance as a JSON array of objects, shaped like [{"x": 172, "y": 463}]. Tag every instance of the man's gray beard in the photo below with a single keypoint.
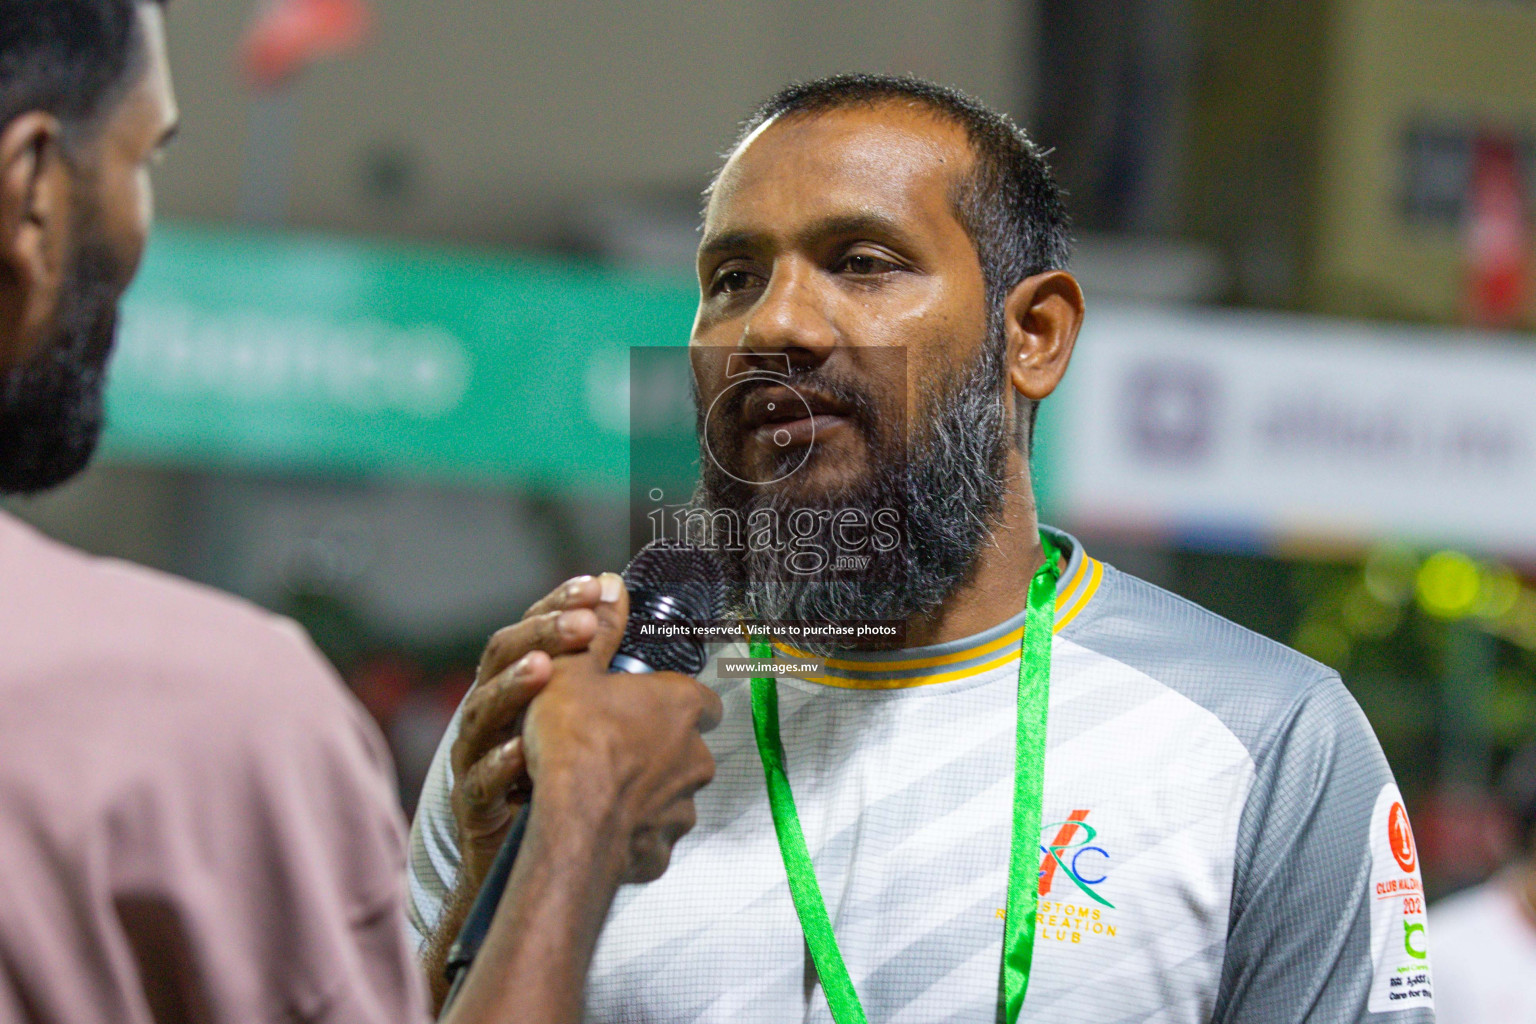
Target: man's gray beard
[{"x": 948, "y": 485}]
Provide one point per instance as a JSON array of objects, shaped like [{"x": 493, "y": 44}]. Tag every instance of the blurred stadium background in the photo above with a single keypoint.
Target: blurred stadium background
[{"x": 374, "y": 374}]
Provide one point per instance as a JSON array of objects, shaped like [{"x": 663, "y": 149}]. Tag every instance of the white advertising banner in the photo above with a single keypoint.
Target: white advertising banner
[{"x": 1244, "y": 429}]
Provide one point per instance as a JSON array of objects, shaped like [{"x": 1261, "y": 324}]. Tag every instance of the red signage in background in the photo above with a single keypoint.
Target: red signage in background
[
  {"x": 287, "y": 36},
  {"x": 1498, "y": 234}
]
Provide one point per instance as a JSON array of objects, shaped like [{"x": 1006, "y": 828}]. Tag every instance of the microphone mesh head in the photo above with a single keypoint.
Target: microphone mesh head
[{"x": 672, "y": 583}]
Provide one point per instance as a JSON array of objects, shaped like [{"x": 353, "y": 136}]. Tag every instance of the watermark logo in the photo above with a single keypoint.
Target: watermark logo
[
  {"x": 745, "y": 374},
  {"x": 812, "y": 541},
  {"x": 784, "y": 466}
]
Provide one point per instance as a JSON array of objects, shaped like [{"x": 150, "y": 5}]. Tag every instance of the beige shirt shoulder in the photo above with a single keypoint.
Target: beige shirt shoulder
[{"x": 197, "y": 820}]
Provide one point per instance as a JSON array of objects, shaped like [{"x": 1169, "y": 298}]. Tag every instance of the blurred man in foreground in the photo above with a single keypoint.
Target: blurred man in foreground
[
  {"x": 197, "y": 822},
  {"x": 1485, "y": 937},
  {"x": 1208, "y": 832}
]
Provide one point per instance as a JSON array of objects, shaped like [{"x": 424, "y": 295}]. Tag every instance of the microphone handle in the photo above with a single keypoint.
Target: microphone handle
[{"x": 477, "y": 923}]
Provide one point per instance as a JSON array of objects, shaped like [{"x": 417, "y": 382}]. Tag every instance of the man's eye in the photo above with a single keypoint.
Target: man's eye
[
  {"x": 863, "y": 263},
  {"x": 732, "y": 281}
]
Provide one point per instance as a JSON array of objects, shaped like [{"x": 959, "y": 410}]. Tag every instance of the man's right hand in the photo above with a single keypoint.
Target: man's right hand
[
  {"x": 490, "y": 769},
  {"x": 617, "y": 757}
]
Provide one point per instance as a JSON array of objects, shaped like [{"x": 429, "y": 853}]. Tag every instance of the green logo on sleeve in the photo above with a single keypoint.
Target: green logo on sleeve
[{"x": 1409, "y": 931}]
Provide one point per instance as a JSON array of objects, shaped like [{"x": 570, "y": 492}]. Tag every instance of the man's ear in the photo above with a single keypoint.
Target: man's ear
[
  {"x": 35, "y": 184},
  {"x": 1042, "y": 316}
]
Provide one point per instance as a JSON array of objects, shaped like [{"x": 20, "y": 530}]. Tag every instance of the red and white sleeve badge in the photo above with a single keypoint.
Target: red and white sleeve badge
[{"x": 1399, "y": 941}]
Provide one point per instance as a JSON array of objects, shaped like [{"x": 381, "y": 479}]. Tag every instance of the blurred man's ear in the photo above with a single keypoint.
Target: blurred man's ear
[{"x": 34, "y": 230}]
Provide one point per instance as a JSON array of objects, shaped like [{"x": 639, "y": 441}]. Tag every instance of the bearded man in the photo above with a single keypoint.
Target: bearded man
[{"x": 1067, "y": 795}]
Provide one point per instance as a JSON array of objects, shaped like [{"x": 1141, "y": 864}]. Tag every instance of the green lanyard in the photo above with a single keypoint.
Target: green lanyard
[{"x": 1024, "y": 856}]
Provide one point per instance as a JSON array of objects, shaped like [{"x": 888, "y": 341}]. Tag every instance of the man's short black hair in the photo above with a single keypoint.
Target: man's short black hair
[
  {"x": 69, "y": 58},
  {"x": 1009, "y": 202}
]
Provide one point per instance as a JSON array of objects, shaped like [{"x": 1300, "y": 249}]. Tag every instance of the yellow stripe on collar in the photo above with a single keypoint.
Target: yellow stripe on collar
[
  {"x": 1073, "y": 596},
  {"x": 1095, "y": 570},
  {"x": 905, "y": 683}
]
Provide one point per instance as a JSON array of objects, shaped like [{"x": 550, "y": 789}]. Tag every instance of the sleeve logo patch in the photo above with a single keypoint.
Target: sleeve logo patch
[
  {"x": 1400, "y": 835},
  {"x": 1400, "y": 976}
]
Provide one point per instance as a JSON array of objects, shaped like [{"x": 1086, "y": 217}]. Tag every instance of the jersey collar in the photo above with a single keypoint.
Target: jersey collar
[{"x": 969, "y": 656}]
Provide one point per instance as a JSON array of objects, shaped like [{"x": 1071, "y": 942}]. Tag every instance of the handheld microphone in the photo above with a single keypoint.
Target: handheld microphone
[{"x": 667, "y": 583}]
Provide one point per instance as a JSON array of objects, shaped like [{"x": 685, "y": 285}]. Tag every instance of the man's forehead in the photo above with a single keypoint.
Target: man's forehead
[{"x": 887, "y": 155}]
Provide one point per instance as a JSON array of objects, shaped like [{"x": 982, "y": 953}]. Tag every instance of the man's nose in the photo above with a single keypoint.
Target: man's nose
[{"x": 790, "y": 317}]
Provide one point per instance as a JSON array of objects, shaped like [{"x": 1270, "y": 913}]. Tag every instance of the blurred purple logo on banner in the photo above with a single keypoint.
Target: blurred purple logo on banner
[{"x": 1169, "y": 411}]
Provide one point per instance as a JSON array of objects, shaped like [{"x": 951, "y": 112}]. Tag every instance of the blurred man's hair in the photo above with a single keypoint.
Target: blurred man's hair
[
  {"x": 1008, "y": 203},
  {"x": 68, "y": 58}
]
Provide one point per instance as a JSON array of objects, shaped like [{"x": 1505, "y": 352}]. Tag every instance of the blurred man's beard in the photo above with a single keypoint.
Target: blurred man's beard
[
  {"x": 51, "y": 406},
  {"x": 947, "y": 486}
]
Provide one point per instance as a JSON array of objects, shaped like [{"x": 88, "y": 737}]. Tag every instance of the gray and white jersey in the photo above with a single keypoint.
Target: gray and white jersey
[{"x": 1222, "y": 839}]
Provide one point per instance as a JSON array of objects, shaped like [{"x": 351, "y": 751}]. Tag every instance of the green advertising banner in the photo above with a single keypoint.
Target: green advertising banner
[{"x": 295, "y": 353}]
